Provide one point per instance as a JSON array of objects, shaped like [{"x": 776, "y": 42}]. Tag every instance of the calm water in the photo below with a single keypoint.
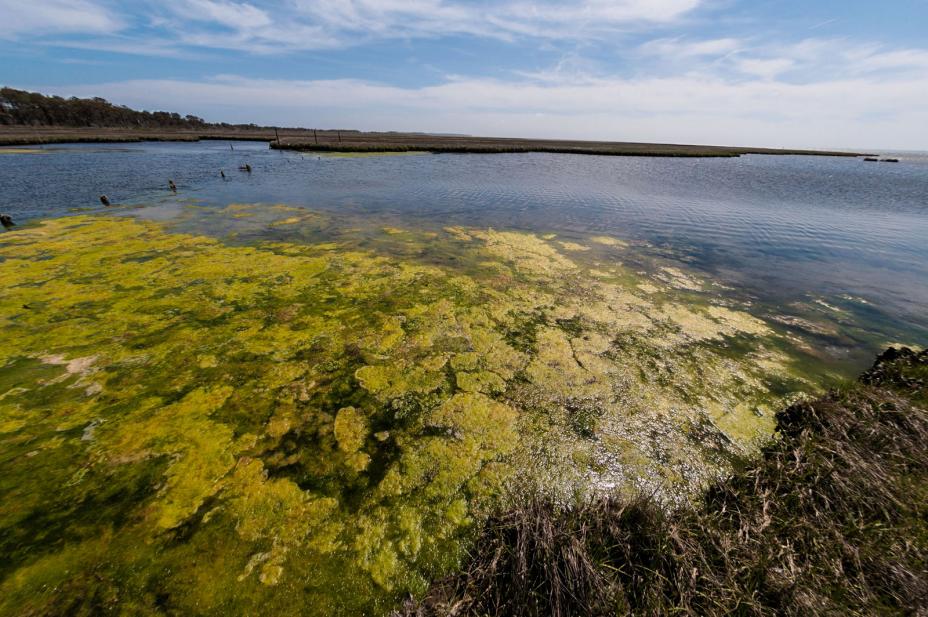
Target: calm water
[{"x": 788, "y": 232}]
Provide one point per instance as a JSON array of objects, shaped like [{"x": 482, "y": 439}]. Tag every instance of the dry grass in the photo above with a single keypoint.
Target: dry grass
[
  {"x": 832, "y": 519},
  {"x": 355, "y": 141},
  {"x": 28, "y": 135}
]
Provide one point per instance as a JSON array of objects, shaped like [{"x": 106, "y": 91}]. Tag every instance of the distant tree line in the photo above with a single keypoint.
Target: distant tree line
[{"x": 18, "y": 107}]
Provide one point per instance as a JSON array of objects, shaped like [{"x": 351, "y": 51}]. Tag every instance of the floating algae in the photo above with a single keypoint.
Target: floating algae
[
  {"x": 311, "y": 428},
  {"x": 24, "y": 151}
]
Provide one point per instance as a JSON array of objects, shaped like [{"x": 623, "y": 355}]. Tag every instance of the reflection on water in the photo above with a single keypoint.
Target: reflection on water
[
  {"x": 786, "y": 231},
  {"x": 304, "y": 404}
]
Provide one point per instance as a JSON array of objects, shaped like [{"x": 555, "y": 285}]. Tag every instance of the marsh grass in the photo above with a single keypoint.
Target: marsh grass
[
  {"x": 362, "y": 142},
  {"x": 831, "y": 519},
  {"x": 389, "y": 142}
]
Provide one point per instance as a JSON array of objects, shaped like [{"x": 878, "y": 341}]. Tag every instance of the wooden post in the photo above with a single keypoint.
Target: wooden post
[
  {"x": 316, "y": 137},
  {"x": 278, "y": 135},
  {"x": 339, "y": 137}
]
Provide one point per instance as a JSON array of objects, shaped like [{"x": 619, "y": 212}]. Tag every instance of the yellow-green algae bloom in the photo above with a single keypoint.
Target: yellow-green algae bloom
[
  {"x": 23, "y": 151},
  {"x": 189, "y": 426}
]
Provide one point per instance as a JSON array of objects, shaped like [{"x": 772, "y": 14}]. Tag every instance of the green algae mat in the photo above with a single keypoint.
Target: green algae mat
[{"x": 197, "y": 426}]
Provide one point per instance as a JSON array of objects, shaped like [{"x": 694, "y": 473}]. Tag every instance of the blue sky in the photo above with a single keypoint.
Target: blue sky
[{"x": 787, "y": 73}]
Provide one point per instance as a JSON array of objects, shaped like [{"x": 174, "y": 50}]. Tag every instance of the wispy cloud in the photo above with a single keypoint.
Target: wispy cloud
[
  {"x": 278, "y": 26},
  {"x": 805, "y": 61},
  {"x": 19, "y": 17},
  {"x": 825, "y": 23},
  {"x": 130, "y": 46},
  {"x": 812, "y": 58},
  {"x": 676, "y": 48},
  {"x": 766, "y": 68},
  {"x": 236, "y": 15},
  {"x": 542, "y": 17}
]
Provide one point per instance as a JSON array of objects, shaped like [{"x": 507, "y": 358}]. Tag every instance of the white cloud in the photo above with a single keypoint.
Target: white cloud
[
  {"x": 805, "y": 61},
  {"x": 676, "y": 48},
  {"x": 288, "y": 25},
  {"x": 847, "y": 113},
  {"x": 237, "y": 15},
  {"x": 903, "y": 59},
  {"x": 609, "y": 11},
  {"x": 22, "y": 17},
  {"x": 849, "y": 58},
  {"x": 275, "y": 26},
  {"x": 768, "y": 68},
  {"x": 132, "y": 46}
]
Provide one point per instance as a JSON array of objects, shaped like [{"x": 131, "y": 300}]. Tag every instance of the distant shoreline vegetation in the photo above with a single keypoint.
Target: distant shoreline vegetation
[
  {"x": 28, "y": 118},
  {"x": 22, "y": 108}
]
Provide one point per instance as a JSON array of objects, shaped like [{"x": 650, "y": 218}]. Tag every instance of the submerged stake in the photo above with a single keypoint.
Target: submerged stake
[{"x": 172, "y": 186}]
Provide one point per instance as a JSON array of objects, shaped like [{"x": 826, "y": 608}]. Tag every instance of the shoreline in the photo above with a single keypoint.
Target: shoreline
[
  {"x": 308, "y": 140},
  {"x": 828, "y": 519}
]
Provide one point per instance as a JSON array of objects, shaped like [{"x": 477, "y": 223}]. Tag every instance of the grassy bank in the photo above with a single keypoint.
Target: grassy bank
[
  {"x": 832, "y": 519},
  {"x": 356, "y": 141}
]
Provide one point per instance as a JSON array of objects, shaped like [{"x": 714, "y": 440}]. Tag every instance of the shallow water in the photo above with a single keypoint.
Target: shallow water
[
  {"x": 787, "y": 231},
  {"x": 299, "y": 390}
]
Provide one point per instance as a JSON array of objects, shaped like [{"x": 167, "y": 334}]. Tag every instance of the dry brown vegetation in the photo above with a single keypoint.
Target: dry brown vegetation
[
  {"x": 29, "y": 135},
  {"x": 352, "y": 141},
  {"x": 831, "y": 520},
  {"x": 355, "y": 141}
]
